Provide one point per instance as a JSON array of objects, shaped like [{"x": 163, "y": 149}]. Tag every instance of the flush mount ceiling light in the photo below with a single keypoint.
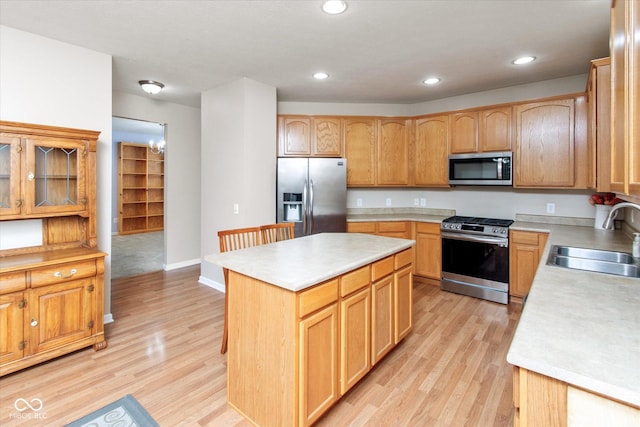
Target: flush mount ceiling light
[
  {"x": 334, "y": 7},
  {"x": 431, "y": 81},
  {"x": 523, "y": 60},
  {"x": 320, "y": 76},
  {"x": 151, "y": 86}
]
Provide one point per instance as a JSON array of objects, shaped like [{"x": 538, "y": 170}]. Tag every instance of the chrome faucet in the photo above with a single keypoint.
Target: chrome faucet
[{"x": 607, "y": 222}]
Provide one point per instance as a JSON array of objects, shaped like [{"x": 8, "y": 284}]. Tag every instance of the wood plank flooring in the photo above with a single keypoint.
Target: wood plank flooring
[{"x": 164, "y": 350}]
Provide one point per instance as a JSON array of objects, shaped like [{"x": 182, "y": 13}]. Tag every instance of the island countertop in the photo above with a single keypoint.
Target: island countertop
[{"x": 299, "y": 263}]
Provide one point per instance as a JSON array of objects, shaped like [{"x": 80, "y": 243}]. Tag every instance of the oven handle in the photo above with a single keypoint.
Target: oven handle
[{"x": 502, "y": 241}]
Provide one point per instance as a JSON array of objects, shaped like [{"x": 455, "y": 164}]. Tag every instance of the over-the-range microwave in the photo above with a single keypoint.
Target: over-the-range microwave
[{"x": 481, "y": 168}]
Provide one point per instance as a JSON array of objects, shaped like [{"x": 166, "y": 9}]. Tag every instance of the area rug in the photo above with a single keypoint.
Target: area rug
[{"x": 124, "y": 412}]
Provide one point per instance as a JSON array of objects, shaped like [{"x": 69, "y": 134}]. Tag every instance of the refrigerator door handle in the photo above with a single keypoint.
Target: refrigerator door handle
[
  {"x": 310, "y": 206},
  {"x": 304, "y": 208}
]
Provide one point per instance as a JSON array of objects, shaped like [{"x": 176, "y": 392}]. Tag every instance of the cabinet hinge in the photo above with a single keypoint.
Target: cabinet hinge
[
  {"x": 90, "y": 288},
  {"x": 19, "y": 148},
  {"x": 90, "y": 324},
  {"x": 85, "y": 152},
  {"x": 22, "y": 303},
  {"x": 83, "y": 200},
  {"x": 22, "y": 345},
  {"x": 19, "y": 203}
]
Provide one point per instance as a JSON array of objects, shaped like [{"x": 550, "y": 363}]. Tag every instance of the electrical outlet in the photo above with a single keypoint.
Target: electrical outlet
[
  {"x": 388, "y": 201},
  {"x": 416, "y": 202},
  {"x": 236, "y": 208},
  {"x": 359, "y": 203},
  {"x": 551, "y": 208},
  {"x": 423, "y": 202}
]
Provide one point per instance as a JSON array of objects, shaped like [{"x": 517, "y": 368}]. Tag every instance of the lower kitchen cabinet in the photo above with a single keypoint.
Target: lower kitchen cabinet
[
  {"x": 318, "y": 363},
  {"x": 50, "y": 304},
  {"x": 428, "y": 261},
  {"x": 525, "y": 250},
  {"x": 382, "y": 309},
  {"x": 542, "y": 401}
]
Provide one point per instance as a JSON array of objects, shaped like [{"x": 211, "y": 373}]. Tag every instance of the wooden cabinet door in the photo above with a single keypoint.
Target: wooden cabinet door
[
  {"x": 355, "y": 332},
  {"x": 525, "y": 250},
  {"x": 10, "y": 197},
  {"x": 393, "y": 152},
  {"x": 382, "y": 314},
  {"x": 360, "y": 137},
  {"x": 430, "y": 155},
  {"x": 60, "y": 314},
  {"x": 56, "y": 180},
  {"x": 428, "y": 251},
  {"x": 294, "y": 136},
  {"x": 494, "y": 132},
  {"x": 403, "y": 296},
  {"x": 545, "y": 144},
  {"x": 599, "y": 125},
  {"x": 327, "y": 137},
  {"x": 12, "y": 320},
  {"x": 318, "y": 363},
  {"x": 463, "y": 132}
]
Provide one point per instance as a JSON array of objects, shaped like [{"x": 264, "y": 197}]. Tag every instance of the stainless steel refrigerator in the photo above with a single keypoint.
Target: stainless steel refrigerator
[{"x": 312, "y": 192}]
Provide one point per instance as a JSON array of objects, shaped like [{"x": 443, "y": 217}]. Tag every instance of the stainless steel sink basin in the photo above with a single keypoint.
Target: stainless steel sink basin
[{"x": 599, "y": 261}]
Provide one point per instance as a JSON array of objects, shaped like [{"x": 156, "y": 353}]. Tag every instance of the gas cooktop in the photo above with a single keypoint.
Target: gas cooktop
[
  {"x": 478, "y": 221},
  {"x": 475, "y": 225}
]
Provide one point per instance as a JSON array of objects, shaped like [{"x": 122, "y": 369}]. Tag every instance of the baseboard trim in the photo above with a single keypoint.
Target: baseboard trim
[
  {"x": 211, "y": 283},
  {"x": 108, "y": 318},
  {"x": 175, "y": 266}
]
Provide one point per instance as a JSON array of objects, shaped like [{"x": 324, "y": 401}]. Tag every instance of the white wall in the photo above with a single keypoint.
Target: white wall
[
  {"x": 492, "y": 202},
  {"x": 44, "y": 81},
  {"x": 238, "y": 163},
  {"x": 182, "y": 172}
]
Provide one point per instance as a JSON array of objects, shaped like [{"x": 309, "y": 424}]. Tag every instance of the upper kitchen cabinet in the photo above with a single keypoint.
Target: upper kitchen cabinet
[
  {"x": 430, "y": 150},
  {"x": 43, "y": 171},
  {"x": 463, "y": 129},
  {"x": 310, "y": 136},
  {"x": 625, "y": 98},
  {"x": 550, "y": 143},
  {"x": 494, "y": 131},
  {"x": 393, "y": 152},
  {"x": 480, "y": 131},
  {"x": 599, "y": 125},
  {"x": 360, "y": 137}
]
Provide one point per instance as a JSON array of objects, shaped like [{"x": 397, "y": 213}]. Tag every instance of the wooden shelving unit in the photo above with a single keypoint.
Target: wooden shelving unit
[{"x": 140, "y": 189}]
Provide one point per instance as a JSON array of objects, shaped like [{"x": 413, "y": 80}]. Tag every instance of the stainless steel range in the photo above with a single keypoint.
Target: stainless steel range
[{"x": 475, "y": 257}]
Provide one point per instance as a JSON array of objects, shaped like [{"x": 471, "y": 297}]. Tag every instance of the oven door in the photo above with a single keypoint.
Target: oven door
[{"x": 476, "y": 259}]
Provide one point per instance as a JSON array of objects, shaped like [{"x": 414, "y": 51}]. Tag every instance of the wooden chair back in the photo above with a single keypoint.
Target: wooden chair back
[
  {"x": 239, "y": 238},
  {"x": 272, "y": 233}
]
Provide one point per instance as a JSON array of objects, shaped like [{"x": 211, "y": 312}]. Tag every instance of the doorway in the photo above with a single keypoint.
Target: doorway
[{"x": 135, "y": 252}]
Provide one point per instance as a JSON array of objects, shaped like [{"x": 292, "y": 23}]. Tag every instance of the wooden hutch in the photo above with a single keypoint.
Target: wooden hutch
[{"x": 51, "y": 289}]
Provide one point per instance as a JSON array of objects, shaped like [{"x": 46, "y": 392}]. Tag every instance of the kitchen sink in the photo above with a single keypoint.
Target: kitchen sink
[{"x": 599, "y": 261}]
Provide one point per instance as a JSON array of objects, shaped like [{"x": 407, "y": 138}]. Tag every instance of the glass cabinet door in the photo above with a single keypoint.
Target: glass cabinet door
[
  {"x": 56, "y": 179},
  {"x": 10, "y": 202}
]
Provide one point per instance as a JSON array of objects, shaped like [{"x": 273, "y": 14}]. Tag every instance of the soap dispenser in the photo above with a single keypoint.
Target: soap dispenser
[{"x": 636, "y": 245}]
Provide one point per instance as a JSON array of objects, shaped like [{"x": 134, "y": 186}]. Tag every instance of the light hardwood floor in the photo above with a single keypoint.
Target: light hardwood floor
[{"x": 164, "y": 350}]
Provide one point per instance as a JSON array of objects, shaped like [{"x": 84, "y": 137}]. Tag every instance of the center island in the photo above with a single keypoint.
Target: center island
[{"x": 309, "y": 317}]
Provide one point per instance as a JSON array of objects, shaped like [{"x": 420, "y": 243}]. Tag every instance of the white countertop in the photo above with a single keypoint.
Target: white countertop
[
  {"x": 579, "y": 327},
  {"x": 299, "y": 263}
]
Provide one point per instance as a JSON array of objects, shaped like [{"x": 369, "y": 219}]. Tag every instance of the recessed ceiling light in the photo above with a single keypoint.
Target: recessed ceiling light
[
  {"x": 431, "y": 81},
  {"x": 320, "y": 76},
  {"x": 523, "y": 60},
  {"x": 334, "y": 7}
]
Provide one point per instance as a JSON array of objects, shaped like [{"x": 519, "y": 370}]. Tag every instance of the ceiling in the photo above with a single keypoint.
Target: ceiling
[{"x": 375, "y": 52}]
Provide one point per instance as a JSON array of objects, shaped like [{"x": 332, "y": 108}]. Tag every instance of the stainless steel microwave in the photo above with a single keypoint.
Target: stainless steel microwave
[{"x": 481, "y": 168}]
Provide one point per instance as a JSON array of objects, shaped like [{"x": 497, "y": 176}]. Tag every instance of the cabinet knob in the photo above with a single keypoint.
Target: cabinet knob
[
  {"x": 59, "y": 274},
  {"x": 34, "y": 322},
  {"x": 31, "y": 176}
]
